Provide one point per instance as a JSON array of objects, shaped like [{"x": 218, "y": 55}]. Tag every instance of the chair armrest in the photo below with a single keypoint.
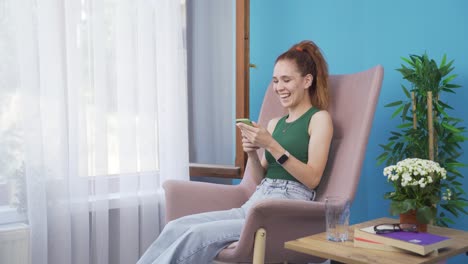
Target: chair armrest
[
  {"x": 290, "y": 208},
  {"x": 283, "y": 220},
  {"x": 287, "y": 218},
  {"x": 187, "y": 197}
]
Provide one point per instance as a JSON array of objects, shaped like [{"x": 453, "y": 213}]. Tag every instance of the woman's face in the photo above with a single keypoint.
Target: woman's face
[{"x": 288, "y": 83}]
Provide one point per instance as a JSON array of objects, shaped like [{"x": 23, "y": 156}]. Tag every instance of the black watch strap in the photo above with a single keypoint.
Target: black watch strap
[{"x": 281, "y": 160}]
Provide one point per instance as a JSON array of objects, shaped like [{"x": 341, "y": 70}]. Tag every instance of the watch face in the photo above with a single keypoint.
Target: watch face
[{"x": 282, "y": 159}]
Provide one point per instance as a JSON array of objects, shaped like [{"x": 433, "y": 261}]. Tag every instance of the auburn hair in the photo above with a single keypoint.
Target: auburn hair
[{"x": 309, "y": 60}]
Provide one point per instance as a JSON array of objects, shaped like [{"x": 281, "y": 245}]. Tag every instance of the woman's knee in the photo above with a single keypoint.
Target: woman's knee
[
  {"x": 182, "y": 220},
  {"x": 174, "y": 224},
  {"x": 199, "y": 229}
]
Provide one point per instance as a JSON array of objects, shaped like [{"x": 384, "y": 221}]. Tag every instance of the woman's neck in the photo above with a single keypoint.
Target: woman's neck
[{"x": 297, "y": 111}]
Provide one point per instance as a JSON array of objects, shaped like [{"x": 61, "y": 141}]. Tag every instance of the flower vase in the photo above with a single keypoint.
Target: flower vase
[{"x": 410, "y": 218}]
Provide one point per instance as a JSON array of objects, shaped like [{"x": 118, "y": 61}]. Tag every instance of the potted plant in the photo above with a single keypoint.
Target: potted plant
[
  {"x": 417, "y": 189},
  {"x": 428, "y": 132}
]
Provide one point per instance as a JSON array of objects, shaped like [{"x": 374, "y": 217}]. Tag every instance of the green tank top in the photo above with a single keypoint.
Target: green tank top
[{"x": 294, "y": 137}]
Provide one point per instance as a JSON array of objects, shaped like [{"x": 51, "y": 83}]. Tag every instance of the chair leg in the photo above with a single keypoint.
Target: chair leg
[{"x": 259, "y": 247}]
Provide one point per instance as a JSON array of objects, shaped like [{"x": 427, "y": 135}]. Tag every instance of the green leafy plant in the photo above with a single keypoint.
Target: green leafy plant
[{"x": 427, "y": 131}]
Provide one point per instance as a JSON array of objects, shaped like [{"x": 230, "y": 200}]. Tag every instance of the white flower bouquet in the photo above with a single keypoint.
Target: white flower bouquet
[{"x": 417, "y": 184}]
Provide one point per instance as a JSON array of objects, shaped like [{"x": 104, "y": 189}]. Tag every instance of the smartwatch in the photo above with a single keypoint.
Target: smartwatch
[{"x": 281, "y": 160}]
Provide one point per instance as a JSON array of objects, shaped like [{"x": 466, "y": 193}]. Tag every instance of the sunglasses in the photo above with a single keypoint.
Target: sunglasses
[{"x": 390, "y": 228}]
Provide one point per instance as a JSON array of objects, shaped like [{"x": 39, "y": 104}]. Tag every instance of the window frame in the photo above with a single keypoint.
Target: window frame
[{"x": 242, "y": 99}]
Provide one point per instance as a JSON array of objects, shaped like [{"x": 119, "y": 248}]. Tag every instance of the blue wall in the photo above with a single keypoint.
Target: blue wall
[{"x": 354, "y": 36}]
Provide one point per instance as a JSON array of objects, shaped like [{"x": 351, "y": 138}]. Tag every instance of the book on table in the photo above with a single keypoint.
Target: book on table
[
  {"x": 417, "y": 242},
  {"x": 370, "y": 244}
]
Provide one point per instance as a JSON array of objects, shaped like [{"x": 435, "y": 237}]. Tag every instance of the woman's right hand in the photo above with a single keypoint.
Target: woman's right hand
[
  {"x": 251, "y": 150},
  {"x": 248, "y": 146}
]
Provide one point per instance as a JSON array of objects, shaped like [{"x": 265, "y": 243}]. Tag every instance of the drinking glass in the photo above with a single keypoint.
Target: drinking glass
[{"x": 337, "y": 211}]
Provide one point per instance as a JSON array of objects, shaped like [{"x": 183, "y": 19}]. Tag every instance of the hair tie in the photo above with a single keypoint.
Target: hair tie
[{"x": 299, "y": 49}]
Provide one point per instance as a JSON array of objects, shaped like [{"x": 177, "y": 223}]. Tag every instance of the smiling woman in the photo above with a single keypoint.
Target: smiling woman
[{"x": 290, "y": 170}]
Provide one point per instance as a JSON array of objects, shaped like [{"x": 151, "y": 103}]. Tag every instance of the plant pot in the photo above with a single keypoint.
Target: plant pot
[{"x": 410, "y": 218}]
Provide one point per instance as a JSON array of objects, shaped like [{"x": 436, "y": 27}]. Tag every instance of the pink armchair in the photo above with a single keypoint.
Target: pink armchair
[{"x": 354, "y": 99}]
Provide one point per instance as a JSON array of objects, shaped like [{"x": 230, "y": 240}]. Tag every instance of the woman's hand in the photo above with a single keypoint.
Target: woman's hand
[
  {"x": 254, "y": 136},
  {"x": 247, "y": 145}
]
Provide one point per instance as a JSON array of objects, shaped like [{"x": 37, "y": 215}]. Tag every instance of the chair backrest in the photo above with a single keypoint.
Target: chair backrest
[{"x": 353, "y": 101}]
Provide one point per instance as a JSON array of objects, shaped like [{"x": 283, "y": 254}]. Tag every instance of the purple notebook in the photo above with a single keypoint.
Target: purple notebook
[{"x": 422, "y": 239}]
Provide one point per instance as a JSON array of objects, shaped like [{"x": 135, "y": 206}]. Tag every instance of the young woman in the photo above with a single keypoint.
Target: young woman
[{"x": 296, "y": 150}]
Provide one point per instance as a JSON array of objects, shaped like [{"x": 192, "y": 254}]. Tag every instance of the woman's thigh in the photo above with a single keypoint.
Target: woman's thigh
[
  {"x": 279, "y": 189},
  {"x": 190, "y": 220}
]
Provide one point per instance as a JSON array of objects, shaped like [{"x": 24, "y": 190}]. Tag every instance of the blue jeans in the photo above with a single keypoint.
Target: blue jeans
[{"x": 199, "y": 238}]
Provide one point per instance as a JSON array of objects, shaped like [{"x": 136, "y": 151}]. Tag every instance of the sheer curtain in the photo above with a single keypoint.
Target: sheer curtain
[{"x": 101, "y": 98}]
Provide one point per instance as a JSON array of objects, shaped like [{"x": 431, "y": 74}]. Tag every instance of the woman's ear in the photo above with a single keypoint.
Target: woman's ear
[{"x": 308, "y": 80}]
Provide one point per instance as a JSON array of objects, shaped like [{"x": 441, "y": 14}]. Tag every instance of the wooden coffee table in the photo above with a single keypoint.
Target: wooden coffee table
[{"x": 345, "y": 252}]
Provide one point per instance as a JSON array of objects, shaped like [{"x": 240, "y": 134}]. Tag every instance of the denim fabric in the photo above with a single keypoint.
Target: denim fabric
[{"x": 198, "y": 238}]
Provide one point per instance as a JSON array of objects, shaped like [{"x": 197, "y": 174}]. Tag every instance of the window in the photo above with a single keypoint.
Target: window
[
  {"x": 90, "y": 93},
  {"x": 11, "y": 169},
  {"x": 211, "y": 50},
  {"x": 104, "y": 109},
  {"x": 97, "y": 93}
]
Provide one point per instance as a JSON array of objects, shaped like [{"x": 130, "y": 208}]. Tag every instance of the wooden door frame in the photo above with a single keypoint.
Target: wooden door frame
[{"x": 242, "y": 74}]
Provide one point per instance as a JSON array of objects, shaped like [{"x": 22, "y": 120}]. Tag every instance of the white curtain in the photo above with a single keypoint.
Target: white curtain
[{"x": 101, "y": 98}]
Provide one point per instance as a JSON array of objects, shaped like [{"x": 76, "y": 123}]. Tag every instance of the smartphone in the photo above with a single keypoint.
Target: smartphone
[{"x": 245, "y": 121}]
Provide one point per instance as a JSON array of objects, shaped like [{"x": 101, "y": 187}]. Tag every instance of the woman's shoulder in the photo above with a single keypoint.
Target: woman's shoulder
[
  {"x": 272, "y": 124},
  {"x": 319, "y": 119},
  {"x": 321, "y": 114}
]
